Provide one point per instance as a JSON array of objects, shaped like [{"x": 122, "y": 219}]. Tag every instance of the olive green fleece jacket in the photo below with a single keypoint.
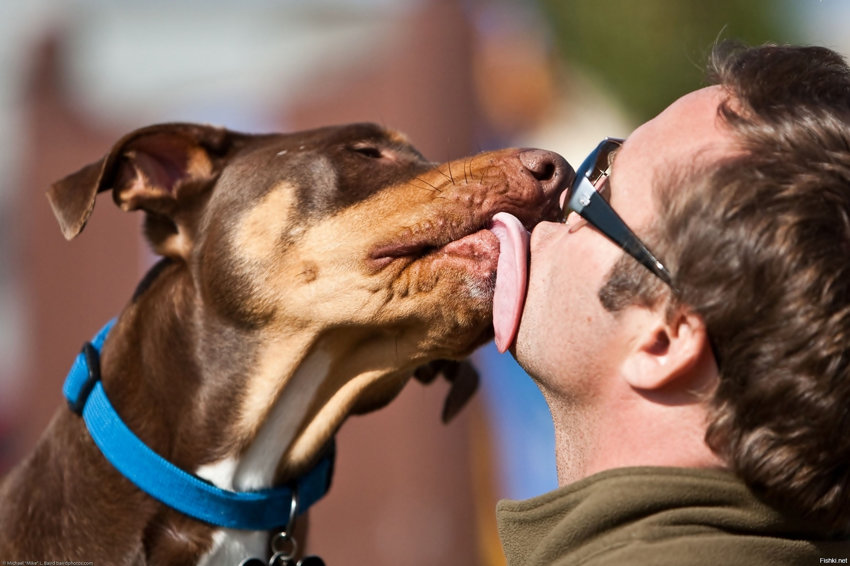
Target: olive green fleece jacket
[{"x": 659, "y": 517}]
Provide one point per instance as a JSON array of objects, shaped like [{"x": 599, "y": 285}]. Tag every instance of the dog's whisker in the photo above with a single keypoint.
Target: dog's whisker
[
  {"x": 484, "y": 173},
  {"x": 450, "y": 176},
  {"x": 429, "y": 184},
  {"x": 414, "y": 185},
  {"x": 430, "y": 187},
  {"x": 443, "y": 173}
]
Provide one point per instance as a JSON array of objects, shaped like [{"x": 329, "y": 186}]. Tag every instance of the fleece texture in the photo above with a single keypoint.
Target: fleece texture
[{"x": 659, "y": 517}]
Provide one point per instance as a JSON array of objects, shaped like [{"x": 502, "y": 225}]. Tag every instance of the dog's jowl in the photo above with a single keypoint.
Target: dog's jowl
[{"x": 303, "y": 277}]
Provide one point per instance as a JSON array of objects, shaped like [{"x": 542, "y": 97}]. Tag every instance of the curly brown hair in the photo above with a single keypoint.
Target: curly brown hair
[{"x": 759, "y": 246}]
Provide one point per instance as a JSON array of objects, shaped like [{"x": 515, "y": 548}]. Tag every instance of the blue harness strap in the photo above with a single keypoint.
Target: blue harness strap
[{"x": 261, "y": 510}]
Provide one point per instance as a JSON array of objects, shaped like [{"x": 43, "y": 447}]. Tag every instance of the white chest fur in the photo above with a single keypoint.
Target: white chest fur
[{"x": 255, "y": 468}]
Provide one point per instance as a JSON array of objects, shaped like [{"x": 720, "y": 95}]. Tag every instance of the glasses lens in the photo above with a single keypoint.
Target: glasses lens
[
  {"x": 602, "y": 165},
  {"x": 594, "y": 168}
]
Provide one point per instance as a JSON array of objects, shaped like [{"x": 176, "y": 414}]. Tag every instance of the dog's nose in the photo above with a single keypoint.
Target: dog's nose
[{"x": 548, "y": 167}]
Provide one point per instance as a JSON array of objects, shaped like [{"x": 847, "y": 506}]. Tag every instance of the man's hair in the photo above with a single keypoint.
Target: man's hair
[{"x": 759, "y": 247}]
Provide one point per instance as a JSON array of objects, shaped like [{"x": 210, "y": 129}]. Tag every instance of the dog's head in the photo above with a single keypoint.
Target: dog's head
[
  {"x": 338, "y": 227},
  {"x": 346, "y": 232}
]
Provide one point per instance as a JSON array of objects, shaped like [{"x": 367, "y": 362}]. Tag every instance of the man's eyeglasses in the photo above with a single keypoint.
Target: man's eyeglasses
[{"x": 584, "y": 199}]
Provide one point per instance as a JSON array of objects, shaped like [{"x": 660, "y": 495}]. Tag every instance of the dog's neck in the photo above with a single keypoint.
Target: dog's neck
[
  {"x": 227, "y": 404},
  {"x": 231, "y": 419},
  {"x": 243, "y": 412},
  {"x": 259, "y": 463},
  {"x": 240, "y": 412}
]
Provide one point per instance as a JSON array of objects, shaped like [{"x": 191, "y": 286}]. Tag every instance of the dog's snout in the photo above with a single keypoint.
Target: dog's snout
[{"x": 549, "y": 168}]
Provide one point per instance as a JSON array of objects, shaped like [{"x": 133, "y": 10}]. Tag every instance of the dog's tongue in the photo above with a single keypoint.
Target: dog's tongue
[{"x": 511, "y": 277}]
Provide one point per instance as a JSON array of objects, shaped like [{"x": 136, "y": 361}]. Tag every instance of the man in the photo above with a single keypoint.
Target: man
[{"x": 701, "y": 394}]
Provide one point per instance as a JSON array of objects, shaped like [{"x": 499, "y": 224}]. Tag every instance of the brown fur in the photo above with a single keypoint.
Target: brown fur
[{"x": 276, "y": 261}]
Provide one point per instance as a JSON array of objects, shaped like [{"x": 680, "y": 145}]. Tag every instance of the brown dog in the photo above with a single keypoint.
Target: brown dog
[{"x": 305, "y": 277}]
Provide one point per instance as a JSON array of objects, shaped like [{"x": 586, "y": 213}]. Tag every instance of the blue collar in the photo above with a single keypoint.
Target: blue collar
[{"x": 262, "y": 510}]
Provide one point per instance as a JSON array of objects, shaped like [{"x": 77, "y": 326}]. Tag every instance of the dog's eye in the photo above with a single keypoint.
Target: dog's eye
[{"x": 368, "y": 151}]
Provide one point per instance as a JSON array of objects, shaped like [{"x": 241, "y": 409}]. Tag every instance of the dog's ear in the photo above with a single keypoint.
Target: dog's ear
[{"x": 156, "y": 169}]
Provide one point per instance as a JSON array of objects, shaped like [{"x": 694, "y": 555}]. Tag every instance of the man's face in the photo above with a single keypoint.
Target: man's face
[{"x": 566, "y": 340}]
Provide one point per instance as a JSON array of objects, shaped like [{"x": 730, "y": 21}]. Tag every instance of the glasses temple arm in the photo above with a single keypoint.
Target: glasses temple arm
[{"x": 607, "y": 221}]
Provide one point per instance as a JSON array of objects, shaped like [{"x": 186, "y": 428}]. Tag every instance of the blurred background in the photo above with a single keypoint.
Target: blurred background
[{"x": 458, "y": 76}]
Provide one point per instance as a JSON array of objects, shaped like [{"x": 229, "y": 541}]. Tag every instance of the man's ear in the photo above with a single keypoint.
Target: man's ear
[
  {"x": 666, "y": 350},
  {"x": 158, "y": 169}
]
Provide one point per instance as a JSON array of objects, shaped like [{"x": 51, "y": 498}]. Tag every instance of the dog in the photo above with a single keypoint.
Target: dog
[{"x": 303, "y": 277}]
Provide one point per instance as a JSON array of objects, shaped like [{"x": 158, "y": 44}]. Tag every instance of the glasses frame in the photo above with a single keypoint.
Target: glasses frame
[{"x": 585, "y": 200}]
